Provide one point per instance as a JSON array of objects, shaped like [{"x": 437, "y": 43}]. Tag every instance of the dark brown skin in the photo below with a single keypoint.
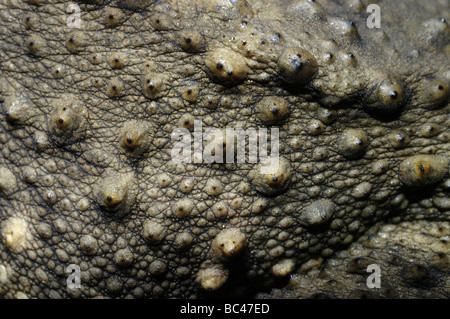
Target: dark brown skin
[{"x": 86, "y": 176}]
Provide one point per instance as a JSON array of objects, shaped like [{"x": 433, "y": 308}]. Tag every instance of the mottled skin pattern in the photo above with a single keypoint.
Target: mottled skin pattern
[{"x": 86, "y": 175}]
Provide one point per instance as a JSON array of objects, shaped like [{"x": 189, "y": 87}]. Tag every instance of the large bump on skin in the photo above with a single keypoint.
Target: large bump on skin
[
  {"x": 228, "y": 243},
  {"x": 283, "y": 268},
  {"x": 76, "y": 41},
  {"x": 8, "y": 183},
  {"x": 134, "y": 138},
  {"x": 423, "y": 170},
  {"x": 434, "y": 93},
  {"x": 297, "y": 66},
  {"x": 68, "y": 120},
  {"x": 153, "y": 85},
  {"x": 17, "y": 108},
  {"x": 191, "y": 41},
  {"x": 183, "y": 208},
  {"x": 270, "y": 177},
  {"x": 123, "y": 257},
  {"x": 226, "y": 67},
  {"x": 272, "y": 109},
  {"x": 89, "y": 245},
  {"x": 116, "y": 194},
  {"x": 153, "y": 232},
  {"x": 352, "y": 143},
  {"x": 317, "y": 213},
  {"x": 37, "y": 46},
  {"x": 14, "y": 233},
  {"x": 435, "y": 31},
  {"x": 212, "y": 277},
  {"x": 386, "y": 97}
]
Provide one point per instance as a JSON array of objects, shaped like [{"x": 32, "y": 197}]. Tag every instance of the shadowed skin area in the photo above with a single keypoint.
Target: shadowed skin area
[
  {"x": 412, "y": 259},
  {"x": 86, "y": 170}
]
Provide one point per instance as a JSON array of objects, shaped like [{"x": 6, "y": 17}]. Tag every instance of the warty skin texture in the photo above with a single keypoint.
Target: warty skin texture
[
  {"x": 412, "y": 259},
  {"x": 86, "y": 175}
]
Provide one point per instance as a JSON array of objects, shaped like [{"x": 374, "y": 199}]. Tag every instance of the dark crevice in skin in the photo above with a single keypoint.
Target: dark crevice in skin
[
  {"x": 242, "y": 289},
  {"x": 319, "y": 229},
  {"x": 385, "y": 118},
  {"x": 416, "y": 194},
  {"x": 240, "y": 286}
]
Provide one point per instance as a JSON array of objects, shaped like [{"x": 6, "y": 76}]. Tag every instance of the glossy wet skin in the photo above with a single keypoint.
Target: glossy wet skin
[{"x": 363, "y": 133}]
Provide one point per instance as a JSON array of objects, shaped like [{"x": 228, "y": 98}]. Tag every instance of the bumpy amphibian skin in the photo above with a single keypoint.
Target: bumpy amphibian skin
[{"x": 89, "y": 99}]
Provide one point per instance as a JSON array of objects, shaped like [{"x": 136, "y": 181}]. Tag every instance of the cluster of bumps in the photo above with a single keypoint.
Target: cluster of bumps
[{"x": 86, "y": 174}]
